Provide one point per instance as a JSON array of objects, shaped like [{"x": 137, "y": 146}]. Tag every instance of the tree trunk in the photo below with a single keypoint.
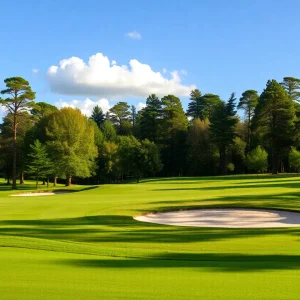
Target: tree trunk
[
  {"x": 47, "y": 181},
  {"x": 55, "y": 181},
  {"x": 44, "y": 181},
  {"x": 138, "y": 178},
  {"x": 22, "y": 177},
  {"x": 69, "y": 180},
  {"x": 8, "y": 180},
  {"x": 14, "y": 170}
]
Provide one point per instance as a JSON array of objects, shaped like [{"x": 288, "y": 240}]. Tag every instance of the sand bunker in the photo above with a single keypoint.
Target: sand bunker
[
  {"x": 228, "y": 218},
  {"x": 34, "y": 194}
]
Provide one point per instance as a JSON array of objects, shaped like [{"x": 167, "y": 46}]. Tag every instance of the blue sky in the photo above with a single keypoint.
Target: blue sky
[{"x": 219, "y": 46}]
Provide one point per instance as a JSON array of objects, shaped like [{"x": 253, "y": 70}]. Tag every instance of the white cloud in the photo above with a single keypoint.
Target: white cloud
[
  {"x": 98, "y": 78},
  {"x": 35, "y": 71},
  {"x": 86, "y": 106},
  {"x": 164, "y": 70},
  {"x": 3, "y": 112},
  {"x": 134, "y": 35},
  {"x": 140, "y": 106},
  {"x": 113, "y": 62}
]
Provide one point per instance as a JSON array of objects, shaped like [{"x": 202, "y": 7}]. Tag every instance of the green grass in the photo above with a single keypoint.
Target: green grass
[{"x": 86, "y": 245}]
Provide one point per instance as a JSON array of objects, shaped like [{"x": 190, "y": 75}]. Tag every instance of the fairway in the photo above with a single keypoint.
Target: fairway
[{"x": 87, "y": 245}]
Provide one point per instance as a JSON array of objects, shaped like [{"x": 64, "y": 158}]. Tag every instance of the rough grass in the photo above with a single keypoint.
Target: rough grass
[{"x": 85, "y": 245}]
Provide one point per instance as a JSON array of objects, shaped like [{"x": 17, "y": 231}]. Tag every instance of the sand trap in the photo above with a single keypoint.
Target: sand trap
[
  {"x": 228, "y": 218},
  {"x": 34, "y": 194}
]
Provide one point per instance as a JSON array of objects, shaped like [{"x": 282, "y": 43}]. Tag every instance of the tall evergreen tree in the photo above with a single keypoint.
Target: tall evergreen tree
[
  {"x": 292, "y": 86},
  {"x": 39, "y": 164},
  {"x": 150, "y": 119},
  {"x": 194, "y": 107},
  {"x": 202, "y": 106},
  {"x": 20, "y": 97},
  {"x": 120, "y": 113},
  {"x": 174, "y": 130},
  {"x": 98, "y": 115},
  {"x": 202, "y": 154},
  {"x": 274, "y": 121},
  {"x": 247, "y": 103},
  {"x": 222, "y": 129},
  {"x": 208, "y": 104},
  {"x": 133, "y": 115}
]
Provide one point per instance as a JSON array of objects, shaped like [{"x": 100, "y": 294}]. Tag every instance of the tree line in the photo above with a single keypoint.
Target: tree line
[{"x": 40, "y": 141}]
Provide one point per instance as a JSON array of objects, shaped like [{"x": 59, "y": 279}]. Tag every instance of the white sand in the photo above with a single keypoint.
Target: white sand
[
  {"x": 34, "y": 194},
  {"x": 228, "y": 218}
]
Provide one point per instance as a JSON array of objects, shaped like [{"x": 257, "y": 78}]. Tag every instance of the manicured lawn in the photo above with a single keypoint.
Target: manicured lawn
[{"x": 85, "y": 245}]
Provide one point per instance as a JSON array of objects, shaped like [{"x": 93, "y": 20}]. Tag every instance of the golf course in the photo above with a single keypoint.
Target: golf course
[{"x": 85, "y": 244}]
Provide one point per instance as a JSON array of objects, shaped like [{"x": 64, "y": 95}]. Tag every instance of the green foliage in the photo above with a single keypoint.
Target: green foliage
[
  {"x": 174, "y": 118},
  {"x": 38, "y": 162},
  {"x": 19, "y": 100},
  {"x": 294, "y": 159},
  {"x": 120, "y": 113},
  {"x": 257, "y": 160},
  {"x": 98, "y": 116},
  {"x": 195, "y": 107},
  {"x": 72, "y": 142},
  {"x": 222, "y": 128},
  {"x": 111, "y": 159},
  {"x": 202, "y": 154},
  {"x": 292, "y": 86},
  {"x": 150, "y": 119},
  {"x": 274, "y": 121},
  {"x": 200, "y": 106},
  {"x": 109, "y": 131},
  {"x": 247, "y": 103},
  {"x": 230, "y": 167},
  {"x": 237, "y": 151},
  {"x": 42, "y": 109},
  {"x": 133, "y": 115}
]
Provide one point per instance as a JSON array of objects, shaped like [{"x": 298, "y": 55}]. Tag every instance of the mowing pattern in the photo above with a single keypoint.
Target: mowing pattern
[{"x": 86, "y": 245}]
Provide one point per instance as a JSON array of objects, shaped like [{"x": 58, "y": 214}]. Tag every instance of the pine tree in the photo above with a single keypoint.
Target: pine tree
[
  {"x": 194, "y": 107},
  {"x": 292, "y": 86},
  {"x": 98, "y": 115},
  {"x": 222, "y": 129},
  {"x": 19, "y": 101},
  {"x": 150, "y": 119},
  {"x": 274, "y": 121},
  {"x": 39, "y": 163},
  {"x": 248, "y": 102}
]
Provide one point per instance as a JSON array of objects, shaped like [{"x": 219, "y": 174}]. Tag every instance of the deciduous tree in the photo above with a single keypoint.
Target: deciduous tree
[{"x": 72, "y": 142}]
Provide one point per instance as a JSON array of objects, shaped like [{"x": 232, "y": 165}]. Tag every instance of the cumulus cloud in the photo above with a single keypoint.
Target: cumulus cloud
[
  {"x": 3, "y": 111},
  {"x": 86, "y": 106},
  {"x": 35, "y": 71},
  {"x": 101, "y": 78},
  {"x": 140, "y": 106},
  {"x": 134, "y": 35}
]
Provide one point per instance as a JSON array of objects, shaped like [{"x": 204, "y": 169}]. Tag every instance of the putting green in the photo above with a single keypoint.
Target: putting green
[{"x": 86, "y": 245}]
